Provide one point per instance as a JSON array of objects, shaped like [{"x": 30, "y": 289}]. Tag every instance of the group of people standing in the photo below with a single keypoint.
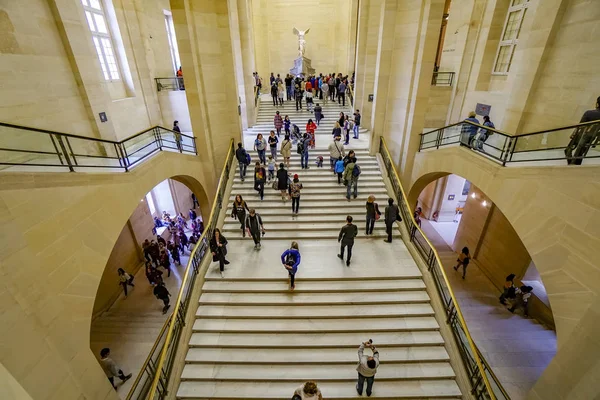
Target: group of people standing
[{"x": 326, "y": 87}]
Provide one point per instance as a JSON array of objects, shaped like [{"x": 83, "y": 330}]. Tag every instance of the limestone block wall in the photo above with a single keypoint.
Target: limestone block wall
[
  {"x": 437, "y": 107},
  {"x": 555, "y": 212},
  {"x": 330, "y": 23},
  {"x": 59, "y": 230}
]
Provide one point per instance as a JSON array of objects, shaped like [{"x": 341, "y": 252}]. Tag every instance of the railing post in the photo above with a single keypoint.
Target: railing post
[
  {"x": 420, "y": 144},
  {"x": 512, "y": 150},
  {"x": 158, "y": 138},
  {"x": 451, "y": 78},
  {"x": 56, "y": 149},
  {"x": 438, "y": 140},
  {"x": 65, "y": 153},
  {"x": 125, "y": 156},
  {"x": 71, "y": 150}
]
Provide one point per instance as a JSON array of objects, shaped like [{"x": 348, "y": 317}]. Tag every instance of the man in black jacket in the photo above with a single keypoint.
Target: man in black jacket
[
  {"x": 346, "y": 236},
  {"x": 240, "y": 154},
  {"x": 255, "y": 226},
  {"x": 392, "y": 214}
]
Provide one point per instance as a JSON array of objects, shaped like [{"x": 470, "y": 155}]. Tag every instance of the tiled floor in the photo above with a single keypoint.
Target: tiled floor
[
  {"x": 130, "y": 327},
  {"x": 517, "y": 349}
]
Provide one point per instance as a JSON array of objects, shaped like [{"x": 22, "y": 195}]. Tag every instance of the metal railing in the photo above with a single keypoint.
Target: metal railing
[
  {"x": 31, "y": 147},
  {"x": 572, "y": 143},
  {"x": 478, "y": 371},
  {"x": 171, "y": 83},
  {"x": 153, "y": 380},
  {"x": 442, "y": 78}
]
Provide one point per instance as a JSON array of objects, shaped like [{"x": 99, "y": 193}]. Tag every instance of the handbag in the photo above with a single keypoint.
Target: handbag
[
  {"x": 377, "y": 217},
  {"x": 274, "y": 184}
]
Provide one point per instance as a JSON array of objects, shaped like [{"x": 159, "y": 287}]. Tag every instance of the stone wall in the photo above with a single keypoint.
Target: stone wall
[{"x": 327, "y": 42}]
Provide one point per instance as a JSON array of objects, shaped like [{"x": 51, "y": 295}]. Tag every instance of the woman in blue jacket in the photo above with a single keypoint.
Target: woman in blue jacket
[{"x": 290, "y": 260}]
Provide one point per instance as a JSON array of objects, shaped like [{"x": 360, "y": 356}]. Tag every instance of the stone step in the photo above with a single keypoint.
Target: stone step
[
  {"x": 366, "y": 162},
  {"x": 325, "y": 177},
  {"x": 284, "y": 217},
  {"x": 341, "y": 372},
  {"x": 334, "y": 211},
  {"x": 330, "y": 288},
  {"x": 293, "y": 235},
  {"x": 274, "y": 196},
  {"x": 418, "y": 389},
  {"x": 360, "y": 153},
  {"x": 332, "y": 191},
  {"x": 319, "y": 174},
  {"x": 233, "y": 225},
  {"x": 284, "y": 297},
  {"x": 308, "y": 341},
  {"x": 313, "y": 312},
  {"x": 331, "y": 325}
]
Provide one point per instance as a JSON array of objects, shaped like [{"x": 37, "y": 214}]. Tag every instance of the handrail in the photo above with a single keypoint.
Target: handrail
[
  {"x": 409, "y": 218},
  {"x": 75, "y": 151},
  {"x": 494, "y": 377},
  {"x": 174, "y": 83},
  {"x": 435, "y": 81},
  {"x": 216, "y": 206},
  {"x": 569, "y": 143}
]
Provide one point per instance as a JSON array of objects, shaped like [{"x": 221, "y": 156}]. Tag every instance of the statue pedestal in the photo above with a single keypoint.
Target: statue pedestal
[{"x": 302, "y": 66}]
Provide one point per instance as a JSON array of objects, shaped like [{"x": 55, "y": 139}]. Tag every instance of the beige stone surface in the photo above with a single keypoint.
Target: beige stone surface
[
  {"x": 545, "y": 208},
  {"x": 52, "y": 266}
]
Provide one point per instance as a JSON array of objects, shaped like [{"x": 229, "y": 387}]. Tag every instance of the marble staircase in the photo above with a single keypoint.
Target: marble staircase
[{"x": 254, "y": 339}]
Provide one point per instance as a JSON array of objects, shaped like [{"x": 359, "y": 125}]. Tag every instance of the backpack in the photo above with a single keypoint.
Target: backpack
[
  {"x": 300, "y": 148},
  {"x": 356, "y": 170},
  {"x": 466, "y": 261},
  {"x": 248, "y": 159},
  {"x": 290, "y": 259}
]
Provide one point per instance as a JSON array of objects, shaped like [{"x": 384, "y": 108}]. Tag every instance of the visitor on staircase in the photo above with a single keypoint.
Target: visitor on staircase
[
  {"x": 282, "y": 181},
  {"x": 295, "y": 188},
  {"x": 161, "y": 293},
  {"x": 298, "y": 94},
  {"x": 218, "y": 248},
  {"x": 391, "y": 215},
  {"x": 351, "y": 174},
  {"x": 311, "y": 127},
  {"x": 242, "y": 158},
  {"x": 260, "y": 145},
  {"x": 346, "y": 237},
  {"x": 239, "y": 211},
  {"x": 260, "y": 176},
  {"x": 291, "y": 260},
  {"x": 367, "y": 367},
  {"x": 287, "y": 124},
  {"x": 332, "y": 87},
  {"x": 342, "y": 93},
  {"x": 278, "y": 122},
  {"x": 288, "y": 86},
  {"x": 342, "y": 119},
  {"x": 318, "y": 113},
  {"x": 373, "y": 214},
  {"x": 286, "y": 150},
  {"x": 111, "y": 369},
  {"x": 255, "y": 227},
  {"x": 309, "y": 100},
  {"x": 308, "y": 391},
  {"x": 281, "y": 91},
  {"x": 325, "y": 91},
  {"x": 274, "y": 92},
  {"x": 125, "y": 280},
  {"x": 357, "y": 118},
  {"x": 339, "y": 169},
  {"x": 273, "y": 140},
  {"x": 271, "y": 169},
  {"x": 347, "y": 128},
  {"x": 337, "y": 131},
  {"x": 336, "y": 150},
  {"x": 303, "y": 146}
]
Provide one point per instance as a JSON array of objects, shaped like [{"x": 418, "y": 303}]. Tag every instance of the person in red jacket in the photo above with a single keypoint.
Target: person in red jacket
[{"x": 310, "y": 129}]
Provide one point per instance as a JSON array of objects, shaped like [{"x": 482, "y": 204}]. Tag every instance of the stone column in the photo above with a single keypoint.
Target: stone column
[
  {"x": 353, "y": 37},
  {"x": 203, "y": 35}
]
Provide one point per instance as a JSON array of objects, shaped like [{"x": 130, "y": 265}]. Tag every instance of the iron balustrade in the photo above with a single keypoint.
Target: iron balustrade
[
  {"x": 32, "y": 147},
  {"x": 484, "y": 384},
  {"x": 572, "y": 143},
  {"x": 171, "y": 83},
  {"x": 153, "y": 380},
  {"x": 442, "y": 78}
]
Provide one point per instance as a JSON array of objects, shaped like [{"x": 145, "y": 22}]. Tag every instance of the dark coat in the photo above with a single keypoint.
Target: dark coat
[
  {"x": 282, "y": 179},
  {"x": 214, "y": 248}
]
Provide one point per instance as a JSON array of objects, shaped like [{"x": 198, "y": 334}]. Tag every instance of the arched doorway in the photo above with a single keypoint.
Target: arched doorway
[
  {"x": 152, "y": 248},
  {"x": 454, "y": 214}
]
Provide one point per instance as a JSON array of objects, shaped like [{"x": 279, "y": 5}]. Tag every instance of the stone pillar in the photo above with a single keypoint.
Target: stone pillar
[
  {"x": 353, "y": 37},
  {"x": 203, "y": 35},
  {"x": 242, "y": 37}
]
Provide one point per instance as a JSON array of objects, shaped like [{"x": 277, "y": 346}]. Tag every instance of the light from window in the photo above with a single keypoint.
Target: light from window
[
  {"x": 172, "y": 42},
  {"x": 150, "y": 202},
  {"x": 510, "y": 36},
  {"x": 101, "y": 38}
]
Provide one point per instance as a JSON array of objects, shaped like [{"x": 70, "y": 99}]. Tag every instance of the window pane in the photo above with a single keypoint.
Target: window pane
[
  {"x": 513, "y": 23},
  {"x": 110, "y": 58},
  {"x": 150, "y": 202},
  {"x": 517, "y": 2},
  {"x": 100, "y": 23},
  {"x": 95, "y": 4},
  {"x": 90, "y": 20},
  {"x": 85, "y": 2},
  {"x": 504, "y": 58},
  {"x": 101, "y": 58}
]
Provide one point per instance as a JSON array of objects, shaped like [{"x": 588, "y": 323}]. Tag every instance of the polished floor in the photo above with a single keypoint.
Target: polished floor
[{"x": 518, "y": 349}]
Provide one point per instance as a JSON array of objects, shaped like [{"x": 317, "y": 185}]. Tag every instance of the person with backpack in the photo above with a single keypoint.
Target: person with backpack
[
  {"x": 302, "y": 150},
  {"x": 351, "y": 157},
  {"x": 346, "y": 237},
  {"x": 295, "y": 188},
  {"x": 282, "y": 181},
  {"x": 508, "y": 285},
  {"x": 273, "y": 140},
  {"x": 318, "y": 113},
  {"x": 521, "y": 299},
  {"x": 255, "y": 226},
  {"x": 464, "y": 258},
  {"x": 242, "y": 158},
  {"x": 391, "y": 215},
  {"x": 260, "y": 145},
  {"x": 260, "y": 176},
  {"x": 286, "y": 150},
  {"x": 357, "y": 118},
  {"x": 339, "y": 169},
  {"x": 161, "y": 293},
  {"x": 278, "y": 122},
  {"x": 291, "y": 260},
  {"x": 336, "y": 150},
  {"x": 351, "y": 174},
  {"x": 238, "y": 210},
  {"x": 296, "y": 133}
]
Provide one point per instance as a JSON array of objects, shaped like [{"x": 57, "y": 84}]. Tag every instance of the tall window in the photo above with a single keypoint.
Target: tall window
[
  {"x": 101, "y": 37},
  {"x": 510, "y": 35},
  {"x": 172, "y": 41}
]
